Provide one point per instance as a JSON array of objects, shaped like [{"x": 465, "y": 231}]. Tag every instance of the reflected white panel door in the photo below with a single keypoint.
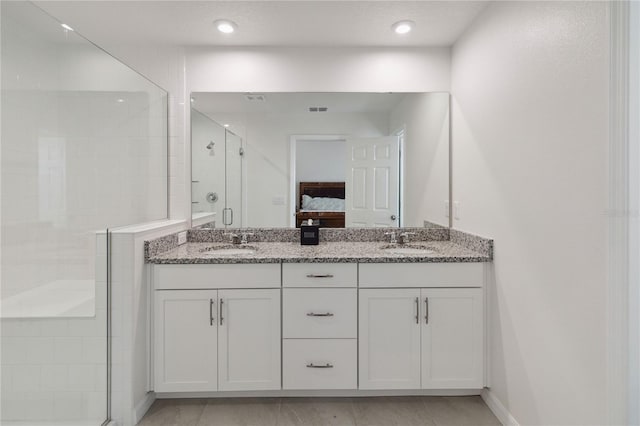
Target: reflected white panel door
[
  {"x": 185, "y": 344},
  {"x": 389, "y": 339},
  {"x": 249, "y": 339},
  {"x": 371, "y": 186},
  {"x": 452, "y": 349}
]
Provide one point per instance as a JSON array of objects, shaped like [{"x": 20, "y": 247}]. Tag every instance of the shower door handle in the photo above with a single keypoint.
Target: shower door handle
[{"x": 227, "y": 216}]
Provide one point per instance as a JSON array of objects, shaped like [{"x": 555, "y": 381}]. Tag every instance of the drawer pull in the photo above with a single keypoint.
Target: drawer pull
[
  {"x": 319, "y": 275},
  {"x": 313, "y": 314},
  {"x": 312, "y": 365}
]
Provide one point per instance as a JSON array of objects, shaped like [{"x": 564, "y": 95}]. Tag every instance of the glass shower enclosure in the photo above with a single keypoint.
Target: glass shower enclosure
[
  {"x": 216, "y": 172},
  {"x": 83, "y": 150}
]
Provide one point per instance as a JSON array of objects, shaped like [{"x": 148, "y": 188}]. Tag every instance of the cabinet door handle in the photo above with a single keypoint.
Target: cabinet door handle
[
  {"x": 313, "y": 314},
  {"x": 319, "y": 275},
  {"x": 312, "y": 365},
  {"x": 417, "y": 310},
  {"x": 220, "y": 313},
  {"x": 211, "y": 303},
  {"x": 426, "y": 310}
]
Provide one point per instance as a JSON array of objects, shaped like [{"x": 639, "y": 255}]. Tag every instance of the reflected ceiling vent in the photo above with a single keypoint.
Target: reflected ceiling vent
[
  {"x": 255, "y": 97},
  {"x": 318, "y": 109}
]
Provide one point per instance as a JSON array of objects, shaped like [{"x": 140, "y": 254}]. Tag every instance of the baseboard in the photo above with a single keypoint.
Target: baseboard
[
  {"x": 143, "y": 406},
  {"x": 319, "y": 393},
  {"x": 497, "y": 408}
]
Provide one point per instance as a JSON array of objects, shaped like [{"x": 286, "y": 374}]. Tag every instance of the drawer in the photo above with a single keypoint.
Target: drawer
[
  {"x": 421, "y": 275},
  {"x": 320, "y": 313},
  {"x": 319, "y": 364},
  {"x": 179, "y": 277},
  {"x": 319, "y": 274}
]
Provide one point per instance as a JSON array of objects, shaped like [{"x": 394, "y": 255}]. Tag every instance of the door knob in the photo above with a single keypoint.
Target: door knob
[{"x": 393, "y": 217}]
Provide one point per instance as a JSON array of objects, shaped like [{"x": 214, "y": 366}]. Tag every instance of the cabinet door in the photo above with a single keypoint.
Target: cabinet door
[
  {"x": 185, "y": 344},
  {"x": 249, "y": 339},
  {"x": 389, "y": 339},
  {"x": 452, "y": 344}
]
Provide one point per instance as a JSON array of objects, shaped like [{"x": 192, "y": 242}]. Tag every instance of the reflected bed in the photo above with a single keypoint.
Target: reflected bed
[{"x": 321, "y": 201}]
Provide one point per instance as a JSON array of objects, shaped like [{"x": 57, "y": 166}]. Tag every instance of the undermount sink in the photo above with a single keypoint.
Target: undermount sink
[
  {"x": 230, "y": 250},
  {"x": 407, "y": 249}
]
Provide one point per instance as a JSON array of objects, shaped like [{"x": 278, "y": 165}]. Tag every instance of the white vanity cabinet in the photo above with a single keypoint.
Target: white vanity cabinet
[
  {"x": 319, "y": 323},
  {"x": 218, "y": 338},
  {"x": 409, "y": 327},
  {"x": 389, "y": 339},
  {"x": 414, "y": 334},
  {"x": 186, "y": 340}
]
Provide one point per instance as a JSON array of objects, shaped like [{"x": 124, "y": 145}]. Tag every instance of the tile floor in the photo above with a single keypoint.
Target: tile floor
[{"x": 380, "y": 411}]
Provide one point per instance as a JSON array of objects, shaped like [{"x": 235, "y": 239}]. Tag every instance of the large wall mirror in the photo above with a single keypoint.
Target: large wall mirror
[{"x": 340, "y": 159}]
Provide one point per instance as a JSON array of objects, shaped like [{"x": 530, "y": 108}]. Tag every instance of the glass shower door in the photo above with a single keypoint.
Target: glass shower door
[
  {"x": 207, "y": 166},
  {"x": 84, "y": 149},
  {"x": 233, "y": 182}
]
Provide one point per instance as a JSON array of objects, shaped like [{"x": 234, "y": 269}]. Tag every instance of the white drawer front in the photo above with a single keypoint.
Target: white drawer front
[
  {"x": 319, "y": 364},
  {"x": 239, "y": 275},
  {"x": 319, "y": 275},
  {"x": 320, "y": 313},
  {"x": 421, "y": 275}
]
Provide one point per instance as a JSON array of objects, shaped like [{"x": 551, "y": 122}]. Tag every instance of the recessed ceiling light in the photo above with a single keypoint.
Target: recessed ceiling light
[
  {"x": 225, "y": 125},
  {"x": 120, "y": 100},
  {"x": 403, "y": 27},
  {"x": 66, "y": 27},
  {"x": 225, "y": 26}
]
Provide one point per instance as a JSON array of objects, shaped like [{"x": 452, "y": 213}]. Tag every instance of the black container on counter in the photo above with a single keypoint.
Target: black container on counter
[{"x": 309, "y": 234}]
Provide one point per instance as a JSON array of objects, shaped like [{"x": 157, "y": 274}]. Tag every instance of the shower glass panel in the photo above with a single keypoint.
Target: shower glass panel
[
  {"x": 234, "y": 177},
  {"x": 207, "y": 166},
  {"x": 216, "y": 172},
  {"x": 84, "y": 149}
]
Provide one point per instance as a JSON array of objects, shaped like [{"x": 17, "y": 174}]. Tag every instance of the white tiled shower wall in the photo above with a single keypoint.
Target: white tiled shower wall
[
  {"x": 83, "y": 149},
  {"x": 55, "y": 368},
  {"x": 73, "y": 175}
]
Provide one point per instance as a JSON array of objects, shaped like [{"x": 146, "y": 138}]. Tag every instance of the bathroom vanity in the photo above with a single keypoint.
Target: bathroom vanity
[{"x": 351, "y": 317}]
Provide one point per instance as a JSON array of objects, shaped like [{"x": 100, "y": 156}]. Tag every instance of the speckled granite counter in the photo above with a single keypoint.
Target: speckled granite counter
[{"x": 325, "y": 252}]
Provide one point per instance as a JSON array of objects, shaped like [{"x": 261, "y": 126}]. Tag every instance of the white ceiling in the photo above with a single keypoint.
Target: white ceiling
[{"x": 266, "y": 22}]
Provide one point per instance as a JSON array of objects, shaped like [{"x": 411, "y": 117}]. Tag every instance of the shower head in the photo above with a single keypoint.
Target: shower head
[{"x": 211, "y": 144}]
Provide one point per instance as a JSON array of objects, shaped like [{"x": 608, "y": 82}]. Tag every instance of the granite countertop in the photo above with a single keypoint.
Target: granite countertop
[{"x": 325, "y": 252}]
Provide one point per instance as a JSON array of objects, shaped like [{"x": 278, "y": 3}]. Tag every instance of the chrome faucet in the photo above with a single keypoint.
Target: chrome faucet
[
  {"x": 245, "y": 237},
  {"x": 393, "y": 237},
  {"x": 404, "y": 237},
  {"x": 235, "y": 238}
]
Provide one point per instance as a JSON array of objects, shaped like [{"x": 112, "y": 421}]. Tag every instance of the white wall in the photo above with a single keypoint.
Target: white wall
[
  {"x": 425, "y": 119},
  {"x": 247, "y": 69},
  {"x": 321, "y": 161},
  {"x": 634, "y": 204},
  {"x": 530, "y": 131}
]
